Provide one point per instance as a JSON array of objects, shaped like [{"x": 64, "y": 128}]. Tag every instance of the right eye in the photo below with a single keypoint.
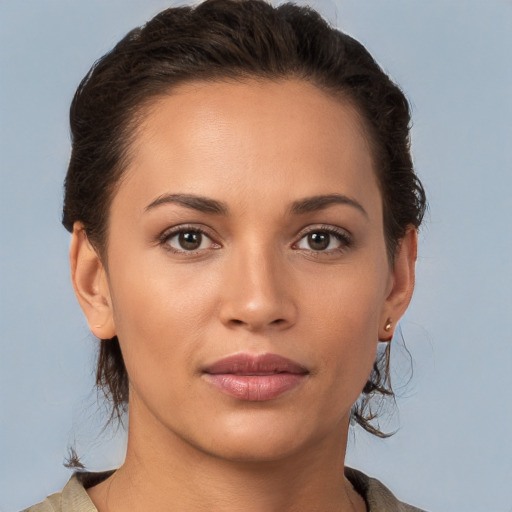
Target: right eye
[{"x": 188, "y": 240}]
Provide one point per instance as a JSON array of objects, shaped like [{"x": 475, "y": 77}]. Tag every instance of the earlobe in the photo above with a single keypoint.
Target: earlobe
[
  {"x": 90, "y": 283},
  {"x": 403, "y": 278}
]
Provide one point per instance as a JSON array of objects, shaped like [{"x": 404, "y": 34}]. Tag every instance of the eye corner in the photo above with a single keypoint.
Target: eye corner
[
  {"x": 200, "y": 241},
  {"x": 332, "y": 240}
]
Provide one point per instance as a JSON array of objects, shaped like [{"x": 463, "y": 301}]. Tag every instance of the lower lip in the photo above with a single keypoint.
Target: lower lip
[{"x": 255, "y": 388}]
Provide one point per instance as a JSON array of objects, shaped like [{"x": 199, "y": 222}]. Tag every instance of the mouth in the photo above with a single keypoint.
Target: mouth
[{"x": 255, "y": 378}]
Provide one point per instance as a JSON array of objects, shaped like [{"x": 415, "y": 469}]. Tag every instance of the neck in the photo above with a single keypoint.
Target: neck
[{"x": 163, "y": 472}]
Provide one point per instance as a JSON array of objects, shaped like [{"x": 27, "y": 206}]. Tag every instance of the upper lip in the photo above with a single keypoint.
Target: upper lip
[{"x": 249, "y": 364}]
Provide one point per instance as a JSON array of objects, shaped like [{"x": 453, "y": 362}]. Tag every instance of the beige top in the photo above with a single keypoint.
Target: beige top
[{"x": 74, "y": 497}]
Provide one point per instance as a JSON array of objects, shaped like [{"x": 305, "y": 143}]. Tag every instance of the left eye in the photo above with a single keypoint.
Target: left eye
[
  {"x": 321, "y": 241},
  {"x": 189, "y": 240}
]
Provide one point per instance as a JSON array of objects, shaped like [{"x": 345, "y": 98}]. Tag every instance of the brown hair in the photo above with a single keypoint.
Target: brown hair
[{"x": 227, "y": 39}]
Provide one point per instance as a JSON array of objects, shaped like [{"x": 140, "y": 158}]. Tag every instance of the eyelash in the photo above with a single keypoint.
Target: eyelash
[
  {"x": 345, "y": 239},
  {"x": 339, "y": 234},
  {"x": 167, "y": 235}
]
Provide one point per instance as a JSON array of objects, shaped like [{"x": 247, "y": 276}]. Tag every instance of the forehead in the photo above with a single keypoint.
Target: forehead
[{"x": 275, "y": 138}]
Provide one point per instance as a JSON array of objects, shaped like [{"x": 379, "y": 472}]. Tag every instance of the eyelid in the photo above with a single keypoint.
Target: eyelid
[
  {"x": 170, "y": 232},
  {"x": 342, "y": 234}
]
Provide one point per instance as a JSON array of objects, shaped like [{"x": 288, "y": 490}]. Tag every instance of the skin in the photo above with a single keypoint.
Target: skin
[{"x": 255, "y": 285}]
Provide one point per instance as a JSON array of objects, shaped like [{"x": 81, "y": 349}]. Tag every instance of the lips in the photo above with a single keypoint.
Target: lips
[{"x": 255, "y": 378}]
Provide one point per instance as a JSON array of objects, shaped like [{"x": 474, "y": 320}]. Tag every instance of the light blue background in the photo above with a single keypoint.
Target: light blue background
[{"x": 453, "y": 451}]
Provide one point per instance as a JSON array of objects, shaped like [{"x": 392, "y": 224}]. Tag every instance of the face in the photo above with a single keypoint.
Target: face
[{"x": 248, "y": 281}]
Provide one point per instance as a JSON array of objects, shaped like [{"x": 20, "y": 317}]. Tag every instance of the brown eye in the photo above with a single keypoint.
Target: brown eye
[
  {"x": 325, "y": 240},
  {"x": 190, "y": 240},
  {"x": 187, "y": 240},
  {"x": 319, "y": 241}
]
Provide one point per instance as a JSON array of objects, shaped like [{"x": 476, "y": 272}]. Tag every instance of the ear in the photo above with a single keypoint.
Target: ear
[
  {"x": 401, "y": 284},
  {"x": 90, "y": 283}
]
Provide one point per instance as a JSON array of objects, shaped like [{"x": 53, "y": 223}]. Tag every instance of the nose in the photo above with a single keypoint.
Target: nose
[{"x": 258, "y": 293}]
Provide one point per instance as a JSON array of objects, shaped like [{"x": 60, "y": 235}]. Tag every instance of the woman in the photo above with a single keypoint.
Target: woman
[{"x": 244, "y": 218}]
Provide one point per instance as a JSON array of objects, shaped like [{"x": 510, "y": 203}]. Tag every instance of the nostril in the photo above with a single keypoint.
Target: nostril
[{"x": 277, "y": 321}]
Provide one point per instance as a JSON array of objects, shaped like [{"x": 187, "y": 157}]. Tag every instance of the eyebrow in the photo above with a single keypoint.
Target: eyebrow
[
  {"x": 299, "y": 207},
  {"x": 317, "y": 203},
  {"x": 199, "y": 203}
]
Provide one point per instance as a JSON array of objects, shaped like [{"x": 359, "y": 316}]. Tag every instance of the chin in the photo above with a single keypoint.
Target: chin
[
  {"x": 254, "y": 449},
  {"x": 264, "y": 439}
]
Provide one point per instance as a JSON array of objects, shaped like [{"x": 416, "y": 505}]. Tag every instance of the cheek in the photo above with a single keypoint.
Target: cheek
[
  {"x": 160, "y": 315},
  {"x": 343, "y": 316},
  {"x": 351, "y": 297}
]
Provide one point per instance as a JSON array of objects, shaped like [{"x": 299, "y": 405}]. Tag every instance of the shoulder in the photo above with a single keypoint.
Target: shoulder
[
  {"x": 378, "y": 497},
  {"x": 74, "y": 497}
]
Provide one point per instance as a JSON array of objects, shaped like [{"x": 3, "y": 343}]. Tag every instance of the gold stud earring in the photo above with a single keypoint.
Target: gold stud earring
[{"x": 388, "y": 325}]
